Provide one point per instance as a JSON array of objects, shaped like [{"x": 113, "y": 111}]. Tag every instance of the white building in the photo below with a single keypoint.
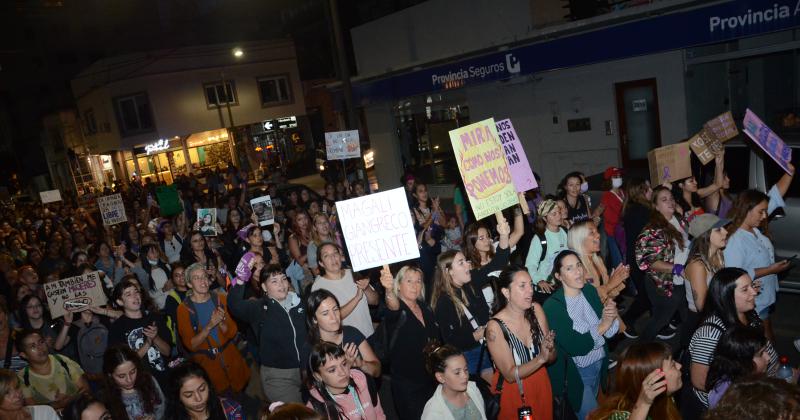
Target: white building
[{"x": 152, "y": 110}]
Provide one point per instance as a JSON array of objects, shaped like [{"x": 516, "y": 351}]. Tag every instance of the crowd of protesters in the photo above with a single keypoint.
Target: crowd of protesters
[{"x": 499, "y": 318}]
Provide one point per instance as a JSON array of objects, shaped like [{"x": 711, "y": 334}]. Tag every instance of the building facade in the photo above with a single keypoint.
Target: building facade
[
  {"x": 165, "y": 113},
  {"x": 581, "y": 92}
]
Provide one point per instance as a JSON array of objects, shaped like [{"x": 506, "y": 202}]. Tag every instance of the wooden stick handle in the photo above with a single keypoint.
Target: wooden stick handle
[{"x": 524, "y": 204}]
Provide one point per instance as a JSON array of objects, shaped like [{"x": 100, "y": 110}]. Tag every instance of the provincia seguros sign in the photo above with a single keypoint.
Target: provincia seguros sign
[
  {"x": 504, "y": 68},
  {"x": 770, "y": 13}
]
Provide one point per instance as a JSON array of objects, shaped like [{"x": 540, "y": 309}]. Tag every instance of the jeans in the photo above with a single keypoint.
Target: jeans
[
  {"x": 590, "y": 375},
  {"x": 473, "y": 357},
  {"x": 614, "y": 254}
]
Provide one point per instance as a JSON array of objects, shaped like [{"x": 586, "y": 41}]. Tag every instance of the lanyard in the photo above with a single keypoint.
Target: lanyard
[{"x": 356, "y": 400}]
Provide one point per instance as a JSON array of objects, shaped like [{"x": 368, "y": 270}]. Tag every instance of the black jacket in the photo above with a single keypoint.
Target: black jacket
[{"x": 280, "y": 335}]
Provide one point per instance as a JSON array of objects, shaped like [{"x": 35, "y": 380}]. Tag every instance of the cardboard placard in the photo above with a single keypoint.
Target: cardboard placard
[
  {"x": 669, "y": 163},
  {"x": 112, "y": 209},
  {"x": 50, "y": 196},
  {"x": 168, "y": 201},
  {"x": 482, "y": 162},
  {"x": 74, "y": 293},
  {"x": 767, "y": 140},
  {"x": 706, "y": 146},
  {"x": 207, "y": 221},
  {"x": 378, "y": 229},
  {"x": 517, "y": 161},
  {"x": 722, "y": 127},
  {"x": 262, "y": 207},
  {"x": 342, "y": 145}
]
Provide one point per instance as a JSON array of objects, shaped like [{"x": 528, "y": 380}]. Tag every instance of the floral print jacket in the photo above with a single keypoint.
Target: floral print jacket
[{"x": 651, "y": 246}]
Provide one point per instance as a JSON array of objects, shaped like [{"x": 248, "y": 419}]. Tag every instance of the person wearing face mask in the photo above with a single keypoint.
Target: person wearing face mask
[
  {"x": 611, "y": 209},
  {"x": 646, "y": 379},
  {"x": 278, "y": 322},
  {"x": 572, "y": 190}
]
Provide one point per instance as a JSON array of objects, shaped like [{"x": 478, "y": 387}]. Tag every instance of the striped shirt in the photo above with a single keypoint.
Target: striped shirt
[
  {"x": 704, "y": 344},
  {"x": 585, "y": 320},
  {"x": 522, "y": 353}
]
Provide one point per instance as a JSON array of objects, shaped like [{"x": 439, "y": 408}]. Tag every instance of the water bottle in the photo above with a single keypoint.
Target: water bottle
[{"x": 785, "y": 370}]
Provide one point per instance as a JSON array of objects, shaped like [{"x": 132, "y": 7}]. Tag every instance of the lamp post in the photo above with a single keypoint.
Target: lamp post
[{"x": 237, "y": 54}]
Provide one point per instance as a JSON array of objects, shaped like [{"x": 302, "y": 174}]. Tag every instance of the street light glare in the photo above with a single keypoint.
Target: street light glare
[{"x": 238, "y": 52}]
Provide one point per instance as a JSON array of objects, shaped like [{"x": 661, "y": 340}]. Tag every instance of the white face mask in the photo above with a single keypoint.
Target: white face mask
[
  {"x": 584, "y": 187},
  {"x": 616, "y": 182},
  {"x": 152, "y": 262}
]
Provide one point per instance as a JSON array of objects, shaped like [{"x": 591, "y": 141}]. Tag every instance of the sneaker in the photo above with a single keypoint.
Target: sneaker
[
  {"x": 673, "y": 326},
  {"x": 612, "y": 363},
  {"x": 665, "y": 334},
  {"x": 797, "y": 344},
  {"x": 630, "y": 332}
]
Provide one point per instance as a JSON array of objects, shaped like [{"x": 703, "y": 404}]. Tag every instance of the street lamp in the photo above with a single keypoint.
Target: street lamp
[{"x": 238, "y": 52}]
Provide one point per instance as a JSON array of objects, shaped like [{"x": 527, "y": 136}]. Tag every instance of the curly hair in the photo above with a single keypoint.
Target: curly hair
[{"x": 758, "y": 398}]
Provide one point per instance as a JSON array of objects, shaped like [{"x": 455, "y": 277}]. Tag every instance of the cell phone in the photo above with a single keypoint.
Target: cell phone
[{"x": 792, "y": 258}]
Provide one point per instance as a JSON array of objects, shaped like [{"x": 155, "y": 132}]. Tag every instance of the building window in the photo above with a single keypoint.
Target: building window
[
  {"x": 133, "y": 114},
  {"x": 274, "y": 90},
  {"x": 216, "y": 95},
  {"x": 89, "y": 122}
]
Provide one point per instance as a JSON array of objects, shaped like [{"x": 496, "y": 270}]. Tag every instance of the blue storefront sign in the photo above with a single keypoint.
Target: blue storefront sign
[{"x": 706, "y": 25}]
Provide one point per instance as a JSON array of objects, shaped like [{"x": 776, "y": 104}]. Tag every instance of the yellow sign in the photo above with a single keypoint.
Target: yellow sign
[{"x": 483, "y": 167}]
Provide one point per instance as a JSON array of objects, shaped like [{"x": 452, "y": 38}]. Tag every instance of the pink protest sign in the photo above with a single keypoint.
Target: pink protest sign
[
  {"x": 767, "y": 140},
  {"x": 518, "y": 164}
]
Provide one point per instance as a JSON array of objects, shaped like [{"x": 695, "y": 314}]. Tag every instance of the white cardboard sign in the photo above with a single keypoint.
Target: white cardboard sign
[
  {"x": 378, "y": 229},
  {"x": 50, "y": 196},
  {"x": 342, "y": 145},
  {"x": 112, "y": 209},
  {"x": 262, "y": 207}
]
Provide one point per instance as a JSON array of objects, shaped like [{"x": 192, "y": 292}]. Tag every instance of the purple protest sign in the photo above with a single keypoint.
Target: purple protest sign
[
  {"x": 767, "y": 140},
  {"x": 518, "y": 164}
]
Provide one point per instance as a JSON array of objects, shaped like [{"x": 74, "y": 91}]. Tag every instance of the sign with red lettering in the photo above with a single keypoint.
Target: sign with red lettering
[
  {"x": 378, "y": 229},
  {"x": 482, "y": 162},
  {"x": 73, "y": 294}
]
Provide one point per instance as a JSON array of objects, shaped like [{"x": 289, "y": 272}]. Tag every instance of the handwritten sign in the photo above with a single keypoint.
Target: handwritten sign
[
  {"x": 262, "y": 207},
  {"x": 767, "y": 140},
  {"x": 74, "y": 293},
  {"x": 722, "y": 127},
  {"x": 483, "y": 167},
  {"x": 342, "y": 145},
  {"x": 705, "y": 145},
  {"x": 112, "y": 209},
  {"x": 669, "y": 163},
  {"x": 378, "y": 229},
  {"x": 50, "y": 196},
  {"x": 518, "y": 164}
]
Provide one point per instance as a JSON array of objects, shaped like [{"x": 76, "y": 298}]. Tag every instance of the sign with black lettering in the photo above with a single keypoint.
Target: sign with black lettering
[
  {"x": 74, "y": 293},
  {"x": 112, "y": 209}
]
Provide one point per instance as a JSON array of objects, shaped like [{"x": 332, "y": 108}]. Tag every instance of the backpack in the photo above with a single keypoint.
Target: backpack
[
  {"x": 92, "y": 343},
  {"x": 212, "y": 352},
  {"x": 543, "y": 240}
]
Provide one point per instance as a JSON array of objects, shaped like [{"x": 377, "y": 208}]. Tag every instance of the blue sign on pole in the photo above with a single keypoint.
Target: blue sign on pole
[{"x": 707, "y": 25}]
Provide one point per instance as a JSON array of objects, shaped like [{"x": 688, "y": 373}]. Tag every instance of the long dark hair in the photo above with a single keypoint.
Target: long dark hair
[
  {"x": 470, "y": 237},
  {"x": 187, "y": 254},
  {"x": 179, "y": 375},
  {"x": 635, "y": 193},
  {"x": 733, "y": 356},
  {"x": 24, "y": 321},
  {"x": 313, "y": 301},
  {"x": 677, "y": 192},
  {"x": 144, "y": 385},
  {"x": 720, "y": 300},
  {"x": 657, "y": 221},
  {"x": 148, "y": 268},
  {"x": 74, "y": 411},
  {"x": 320, "y": 354},
  {"x": 500, "y": 302},
  {"x": 746, "y": 200},
  {"x": 559, "y": 260},
  {"x": 562, "y": 186}
]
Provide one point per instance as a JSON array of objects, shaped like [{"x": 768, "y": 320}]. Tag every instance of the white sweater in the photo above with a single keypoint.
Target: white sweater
[{"x": 436, "y": 409}]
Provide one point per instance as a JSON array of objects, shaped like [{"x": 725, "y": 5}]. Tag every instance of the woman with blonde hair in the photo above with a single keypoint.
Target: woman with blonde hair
[
  {"x": 321, "y": 232},
  {"x": 12, "y": 403},
  {"x": 584, "y": 239},
  {"x": 645, "y": 381}
]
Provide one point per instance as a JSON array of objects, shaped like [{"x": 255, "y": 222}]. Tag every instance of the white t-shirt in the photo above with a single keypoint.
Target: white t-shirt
[
  {"x": 345, "y": 289},
  {"x": 42, "y": 412},
  {"x": 681, "y": 254}
]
